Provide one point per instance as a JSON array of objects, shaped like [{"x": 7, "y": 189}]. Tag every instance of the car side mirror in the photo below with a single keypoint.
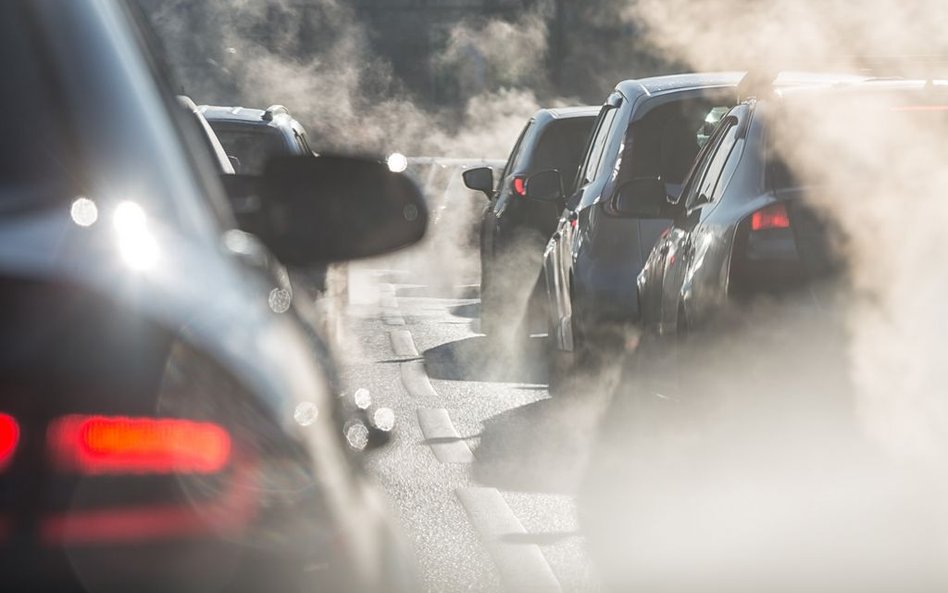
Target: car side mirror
[
  {"x": 311, "y": 210},
  {"x": 545, "y": 186},
  {"x": 235, "y": 163},
  {"x": 480, "y": 179},
  {"x": 642, "y": 197}
]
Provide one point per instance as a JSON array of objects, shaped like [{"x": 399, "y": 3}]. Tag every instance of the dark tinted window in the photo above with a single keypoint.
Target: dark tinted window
[
  {"x": 666, "y": 141},
  {"x": 561, "y": 147},
  {"x": 252, "y": 145},
  {"x": 33, "y": 159}
]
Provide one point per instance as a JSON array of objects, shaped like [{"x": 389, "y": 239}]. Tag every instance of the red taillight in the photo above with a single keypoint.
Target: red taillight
[
  {"x": 110, "y": 445},
  {"x": 9, "y": 438},
  {"x": 573, "y": 223},
  {"x": 520, "y": 186},
  {"x": 772, "y": 217}
]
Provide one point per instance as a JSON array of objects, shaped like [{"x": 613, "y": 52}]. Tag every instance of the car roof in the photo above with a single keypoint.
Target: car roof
[
  {"x": 244, "y": 115},
  {"x": 656, "y": 85},
  {"x": 572, "y": 112}
]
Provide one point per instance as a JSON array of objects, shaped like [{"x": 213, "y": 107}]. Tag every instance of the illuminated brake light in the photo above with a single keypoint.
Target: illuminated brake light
[
  {"x": 772, "y": 217},
  {"x": 520, "y": 186},
  {"x": 9, "y": 438},
  {"x": 118, "y": 445}
]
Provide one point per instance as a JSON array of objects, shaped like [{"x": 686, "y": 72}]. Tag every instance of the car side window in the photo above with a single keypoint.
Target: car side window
[
  {"x": 727, "y": 171},
  {"x": 706, "y": 177},
  {"x": 593, "y": 162},
  {"x": 515, "y": 153}
]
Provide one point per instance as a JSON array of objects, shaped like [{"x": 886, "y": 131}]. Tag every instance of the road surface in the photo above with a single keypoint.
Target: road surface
[{"x": 483, "y": 468}]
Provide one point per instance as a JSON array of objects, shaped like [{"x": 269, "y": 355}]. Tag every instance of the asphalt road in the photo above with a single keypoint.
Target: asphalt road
[{"x": 484, "y": 466}]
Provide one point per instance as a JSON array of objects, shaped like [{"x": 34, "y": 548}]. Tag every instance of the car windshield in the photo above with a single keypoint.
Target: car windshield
[
  {"x": 252, "y": 145},
  {"x": 562, "y": 146}
]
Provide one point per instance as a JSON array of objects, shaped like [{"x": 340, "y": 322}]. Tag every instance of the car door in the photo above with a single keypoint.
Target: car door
[
  {"x": 561, "y": 247},
  {"x": 679, "y": 246}
]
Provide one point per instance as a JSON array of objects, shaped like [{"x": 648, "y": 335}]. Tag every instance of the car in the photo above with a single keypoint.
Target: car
[
  {"x": 225, "y": 163},
  {"x": 515, "y": 228},
  {"x": 164, "y": 423},
  {"x": 647, "y": 128},
  {"x": 743, "y": 435},
  {"x": 252, "y": 136},
  {"x": 741, "y": 227}
]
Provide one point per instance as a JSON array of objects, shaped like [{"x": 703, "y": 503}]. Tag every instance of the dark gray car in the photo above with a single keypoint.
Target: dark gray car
[
  {"x": 514, "y": 227},
  {"x": 649, "y": 128}
]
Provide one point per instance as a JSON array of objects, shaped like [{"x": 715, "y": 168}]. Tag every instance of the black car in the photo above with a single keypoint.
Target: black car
[
  {"x": 164, "y": 422},
  {"x": 514, "y": 227},
  {"x": 649, "y": 128}
]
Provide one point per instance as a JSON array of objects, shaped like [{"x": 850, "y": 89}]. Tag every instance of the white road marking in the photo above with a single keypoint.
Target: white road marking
[
  {"x": 416, "y": 380},
  {"x": 522, "y": 567},
  {"x": 442, "y": 437},
  {"x": 402, "y": 343},
  {"x": 389, "y": 304}
]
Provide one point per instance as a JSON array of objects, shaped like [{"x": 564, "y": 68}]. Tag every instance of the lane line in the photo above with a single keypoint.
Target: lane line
[
  {"x": 442, "y": 437},
  {"x": 402, "y": 343},
  {"x": 436, "y": 426},
  {"x": 522, "y": 567},
  {"x": 389, "y": 304},
  {"x": 416, "y": 380}
]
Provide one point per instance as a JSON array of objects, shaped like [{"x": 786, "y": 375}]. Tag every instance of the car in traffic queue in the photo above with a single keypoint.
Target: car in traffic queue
[
  {"x": 164, "y": 423},
  {"x": 742, "y": 393},
  {"x": 251, "y": 137},
  {"x": 646, "y": 128},
  {"x": 515, "y": 228},
  {"x": 742, "y": 227}
]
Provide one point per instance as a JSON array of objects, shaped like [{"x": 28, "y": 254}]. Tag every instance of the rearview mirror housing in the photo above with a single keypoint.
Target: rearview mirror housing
[
  {"x": 311, "y": 210},
  {"x": 545, "y": 186},
  {"x": 642, "y": 197},
  {"x": 480, "y": 179}
]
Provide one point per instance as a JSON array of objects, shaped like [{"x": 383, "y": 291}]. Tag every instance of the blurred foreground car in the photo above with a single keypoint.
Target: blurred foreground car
[
  {"x": 515, "y": 228},
  {"x": 164, "y": 425}
]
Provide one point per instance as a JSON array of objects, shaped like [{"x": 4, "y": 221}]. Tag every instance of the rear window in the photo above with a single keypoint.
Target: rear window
[
  {"x": 562, "y": 146},
  {"x": 34, "y": 167},
  {"x": 252, "y": 145}
]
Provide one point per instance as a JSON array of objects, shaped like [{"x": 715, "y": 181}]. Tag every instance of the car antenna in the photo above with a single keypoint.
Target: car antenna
[
  {"x": 274, "y": 110},
  {"x": 756, "y": 83}
]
